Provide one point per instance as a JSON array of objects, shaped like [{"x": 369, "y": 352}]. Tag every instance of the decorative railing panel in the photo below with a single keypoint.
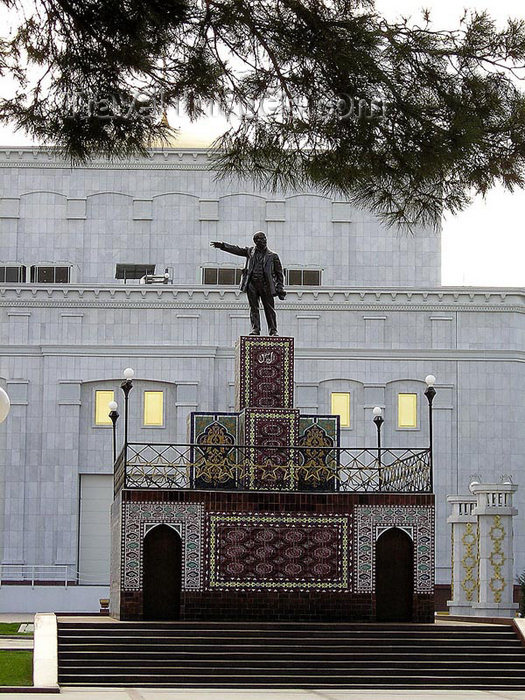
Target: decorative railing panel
[{"x": 291, "y": 468}]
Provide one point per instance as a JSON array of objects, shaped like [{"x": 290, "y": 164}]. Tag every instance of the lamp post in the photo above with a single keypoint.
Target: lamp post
[
  {"x": 5, "y": 405},
  {"x": 127, "y": 386},
  {"x": 113, "y": 414},
  {"x": 430, "y": 392},
  {"x": 378, "y": 420}
]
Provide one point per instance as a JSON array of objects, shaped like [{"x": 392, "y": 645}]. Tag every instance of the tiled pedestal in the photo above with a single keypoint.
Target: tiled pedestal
[
  {"x": 264, "y": 533},
  {"x": 264, "y": 372}
]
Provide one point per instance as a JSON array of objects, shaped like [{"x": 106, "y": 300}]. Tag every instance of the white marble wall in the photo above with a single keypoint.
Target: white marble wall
[
  {"x": 165, "y": 212},
  {"x": 377, "y": 326}
]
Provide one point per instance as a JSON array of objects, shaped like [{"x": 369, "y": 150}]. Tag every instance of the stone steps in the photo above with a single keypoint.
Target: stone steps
[{"x": 289, "y": 655}]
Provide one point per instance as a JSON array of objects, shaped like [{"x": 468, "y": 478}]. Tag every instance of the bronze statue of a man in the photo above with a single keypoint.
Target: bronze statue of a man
[{"x": 262, "y": 278}]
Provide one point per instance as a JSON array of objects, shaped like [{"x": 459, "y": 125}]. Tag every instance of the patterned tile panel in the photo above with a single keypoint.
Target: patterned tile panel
[
  {"x": 264, "y": 372},
  {"x": 328, "y": 425},
  {"x": 273, "y": 428},
  {"x": 279, "y": 552},
  {"x": 200, "y": 425},
  {"x": 214, "y": 464},
  {"x": 138, "y": 518},
  {"x": 417, "y": 521},
  {"x": 497, "y": 558},
  {"x": 317, "y": 463}
]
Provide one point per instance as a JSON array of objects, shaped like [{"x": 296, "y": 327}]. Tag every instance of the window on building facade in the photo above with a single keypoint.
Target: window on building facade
[
  {"x": 302, "y": 278},
  {"x": 102, "y": 399},
  {"x": 407, "y": 410},
  {"x": 340, "y": 406},
  {"x": 232, "y": 276},
  {"x": 12, "y": 273},
  {"x": 221, "y": 275},
  {"x": 131, "y": 271},
  {"x": 50, "y": 274},
  {"x": 153, "y": 408}
]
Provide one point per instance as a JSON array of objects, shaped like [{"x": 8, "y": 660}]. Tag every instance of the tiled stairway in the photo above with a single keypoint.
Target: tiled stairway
[{"x": 290, "y": 655}]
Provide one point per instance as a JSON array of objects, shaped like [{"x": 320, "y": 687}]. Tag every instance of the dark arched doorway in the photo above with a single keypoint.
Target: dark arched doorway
[
  {"x": 394, "y": 576},
  {"x": 162, "y": 574}
]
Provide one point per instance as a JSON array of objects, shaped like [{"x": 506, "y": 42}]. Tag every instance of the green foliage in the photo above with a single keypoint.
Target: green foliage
[
  {"x": 12, "y": 628},
  {"x": 398, "y": 117},
  {"x": 16, "y": 667}
]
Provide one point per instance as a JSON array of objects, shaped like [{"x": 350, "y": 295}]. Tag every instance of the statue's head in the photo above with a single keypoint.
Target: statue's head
[{"x": 259, "y": 239}]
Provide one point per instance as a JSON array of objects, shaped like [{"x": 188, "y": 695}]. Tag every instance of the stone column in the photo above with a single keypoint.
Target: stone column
[
  {"x": 464, "y": 554},
  {"x": 494, "y": 512}
]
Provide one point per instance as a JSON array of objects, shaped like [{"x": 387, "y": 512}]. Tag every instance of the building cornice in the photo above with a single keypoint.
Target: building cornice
[
  {"x": 160, "y": 159},
  {"x": 211, "y": 352},
  {"x": 438, "y": 300}
]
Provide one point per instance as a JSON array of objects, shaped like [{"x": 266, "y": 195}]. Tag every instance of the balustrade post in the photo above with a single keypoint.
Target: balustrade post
[
  {"x": 494, "y": 512},
  {"x": 464, "y": 555}
]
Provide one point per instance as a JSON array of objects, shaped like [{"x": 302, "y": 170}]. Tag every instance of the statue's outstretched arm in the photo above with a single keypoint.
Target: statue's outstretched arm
[{"x": 233, "y": 249}]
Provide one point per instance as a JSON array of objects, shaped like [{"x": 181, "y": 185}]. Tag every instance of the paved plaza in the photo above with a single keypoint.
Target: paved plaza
[{"x": 225, "y": 694}]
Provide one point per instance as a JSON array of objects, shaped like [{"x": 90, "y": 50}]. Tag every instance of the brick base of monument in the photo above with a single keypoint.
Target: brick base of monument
[
  {"x": 283, "y": 556},
  {"x": 281, "y": 607}
]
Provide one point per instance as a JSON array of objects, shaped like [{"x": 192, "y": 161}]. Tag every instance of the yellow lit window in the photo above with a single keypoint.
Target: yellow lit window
[
  {"x": 102, "y": 399},
  {"x": 153, "y": 408},
  {"x": 340, "y": 406},
  {"x": 407, "y": 410}
]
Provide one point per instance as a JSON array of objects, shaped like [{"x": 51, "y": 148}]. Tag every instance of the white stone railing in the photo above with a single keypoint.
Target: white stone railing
[{"x": 482, "y": 551}]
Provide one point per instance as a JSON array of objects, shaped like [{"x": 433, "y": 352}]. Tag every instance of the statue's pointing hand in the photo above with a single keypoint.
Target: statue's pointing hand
[{"x": 215, "y": 244}]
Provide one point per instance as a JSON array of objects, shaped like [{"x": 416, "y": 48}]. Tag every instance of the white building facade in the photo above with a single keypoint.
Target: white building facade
[{"x": 364, "y": 304}]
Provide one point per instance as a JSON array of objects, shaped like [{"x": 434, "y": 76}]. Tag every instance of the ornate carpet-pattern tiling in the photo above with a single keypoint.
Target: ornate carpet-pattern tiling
[
  {"x": 214, "y": 464},
  {"x": 264, "y": 372},
  {"x": 273, "y": 428},
  {"x": 317, "y": 463},
  {"x": 138, "y": 518},
  {"x": 417, "y": 521},
  {"x": 279, "y": 552},
  {"x": 329, "y": 425},
  {"x": 199, "y": 424}
]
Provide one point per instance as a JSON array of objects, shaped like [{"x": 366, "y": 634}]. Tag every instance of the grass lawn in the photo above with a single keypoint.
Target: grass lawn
[
  {"x": 16, "y": 667},
  {"x": 12, "y": 628}
]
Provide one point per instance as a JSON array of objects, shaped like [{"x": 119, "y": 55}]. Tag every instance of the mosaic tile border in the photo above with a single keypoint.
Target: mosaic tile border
[
  {"x": 342, "y": 521},
  {"x": 417, "y": 521},
  {"x": 138, "y": 519}
]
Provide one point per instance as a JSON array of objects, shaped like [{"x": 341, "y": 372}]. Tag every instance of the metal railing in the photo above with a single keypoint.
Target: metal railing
[
  {"x": 57, "y": 574},
  {"x": 273, "y": 468},
  {"x": 50, "y": 574}
]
